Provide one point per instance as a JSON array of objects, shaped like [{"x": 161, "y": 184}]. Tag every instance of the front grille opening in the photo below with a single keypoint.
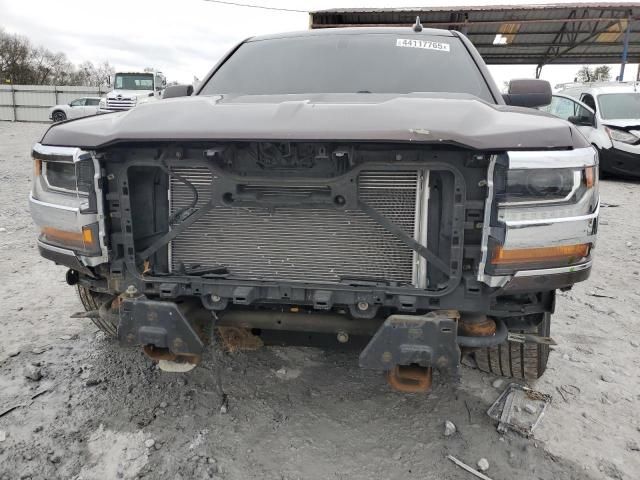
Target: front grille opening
[{"x": 302, "y": 244}]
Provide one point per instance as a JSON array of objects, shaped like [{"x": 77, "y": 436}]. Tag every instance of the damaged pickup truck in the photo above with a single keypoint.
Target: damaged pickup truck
[{"x": 355, "y": 183}]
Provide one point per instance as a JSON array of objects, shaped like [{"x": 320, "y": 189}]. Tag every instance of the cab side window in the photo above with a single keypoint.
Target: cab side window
[
  {"x": 588, "y": 101},
  {"x": 92, "y": 102},
  {"x": 565, "y": 107},
  {"x": 77, "y": 103}
]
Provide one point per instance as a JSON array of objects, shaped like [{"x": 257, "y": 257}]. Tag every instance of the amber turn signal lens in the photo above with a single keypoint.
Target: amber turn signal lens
[
  {"x": 72, "y": 239},
  {"x": 590, "y": 176},
  {"x": 37, "y": 167},
  {"x": 570, "y": 254}
]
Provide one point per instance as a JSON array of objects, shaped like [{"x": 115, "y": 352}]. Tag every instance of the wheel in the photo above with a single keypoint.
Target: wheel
[
  {"x": 59, "y": 116},
  {"x": 526, "y": 361},
  {"x": 92, "y": 301}
]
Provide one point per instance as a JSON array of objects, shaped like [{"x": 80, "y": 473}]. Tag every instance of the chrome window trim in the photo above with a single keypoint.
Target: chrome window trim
[{"x": 539, "y": 159}]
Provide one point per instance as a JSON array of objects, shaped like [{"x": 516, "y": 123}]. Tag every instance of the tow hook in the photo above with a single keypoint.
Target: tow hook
[{"x": 410, "y": 379}]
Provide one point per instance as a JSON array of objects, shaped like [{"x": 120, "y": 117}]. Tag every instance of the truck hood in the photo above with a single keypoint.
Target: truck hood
[
  {"x": 625, "y": 123},
  {"x": 457, "y": 119}
]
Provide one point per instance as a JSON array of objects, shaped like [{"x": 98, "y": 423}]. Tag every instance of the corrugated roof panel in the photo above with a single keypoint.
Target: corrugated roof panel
[{"x": 580, "y": 33}]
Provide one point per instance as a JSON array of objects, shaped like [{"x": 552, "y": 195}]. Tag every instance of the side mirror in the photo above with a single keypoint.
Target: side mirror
[
  {"x": 582, "y": 120},
  {"x": 178, "y": 91},
  {"x": 528, "y": 93}
]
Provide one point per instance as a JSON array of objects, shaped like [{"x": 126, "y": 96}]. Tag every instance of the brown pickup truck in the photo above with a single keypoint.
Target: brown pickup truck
[{"x": 355, "y": 183}]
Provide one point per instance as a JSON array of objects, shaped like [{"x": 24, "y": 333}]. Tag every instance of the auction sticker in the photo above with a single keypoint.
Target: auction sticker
[{"x": 426, "y": 44}]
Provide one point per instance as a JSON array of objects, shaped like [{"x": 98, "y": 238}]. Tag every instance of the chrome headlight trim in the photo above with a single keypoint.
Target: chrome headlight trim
[
  {"x": 538, "y": 159},
  {"x": 536, "y": 232}
]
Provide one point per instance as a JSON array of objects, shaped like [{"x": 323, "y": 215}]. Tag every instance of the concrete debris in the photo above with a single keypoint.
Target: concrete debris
[
  {"x": 3, "y": 435},
  {"x": 606, "y": 378},
  {"x": 633, "y": 446},
  {"x": 498, "y": 383},
  {"x": 449, "y": 428},
  {"x": 483, "y": 464},
  {"x": 530, "y": 408},
  {"x": 149, "y": 443},
  {"x": 3, "y": 230},
  {"x": 33, "y": 373}
]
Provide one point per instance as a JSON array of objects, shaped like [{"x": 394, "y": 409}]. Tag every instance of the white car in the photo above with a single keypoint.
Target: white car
[
  {"x": 608, "y": 115},
  {"x": 80, "y": 107}
]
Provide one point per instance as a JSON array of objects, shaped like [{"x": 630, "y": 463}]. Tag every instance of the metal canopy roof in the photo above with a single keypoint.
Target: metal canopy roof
[{"x": 522, "y": 34}]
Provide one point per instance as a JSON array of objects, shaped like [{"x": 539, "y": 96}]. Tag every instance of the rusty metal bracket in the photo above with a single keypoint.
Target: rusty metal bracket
[
  {"x": 410, "y": 379},
  {"x": 423, "y": 340},
  {"x": 161, "y": 324}
]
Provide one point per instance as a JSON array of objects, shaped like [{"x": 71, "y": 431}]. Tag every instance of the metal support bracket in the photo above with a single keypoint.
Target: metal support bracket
[{"x": 424, "y": 340}]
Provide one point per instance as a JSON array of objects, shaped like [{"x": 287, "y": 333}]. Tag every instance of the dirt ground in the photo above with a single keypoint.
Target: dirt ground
[{"x": 103, "y": 412}]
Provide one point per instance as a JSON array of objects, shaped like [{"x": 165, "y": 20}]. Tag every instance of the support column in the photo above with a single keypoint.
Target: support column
[{"x": 625, "y": 50}]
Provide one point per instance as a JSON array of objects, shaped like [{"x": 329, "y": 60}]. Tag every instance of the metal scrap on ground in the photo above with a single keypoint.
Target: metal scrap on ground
[
  {"x": 466, "y": 467},
  {"x": 519, "y": 408}
]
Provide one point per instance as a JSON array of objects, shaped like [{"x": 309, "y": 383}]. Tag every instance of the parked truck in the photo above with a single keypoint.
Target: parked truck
[
  {"x": 131, "y": 89},
  {"x": 368, "y": 183}
]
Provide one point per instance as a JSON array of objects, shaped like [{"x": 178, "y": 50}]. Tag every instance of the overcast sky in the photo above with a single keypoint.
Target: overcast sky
[{"x": 184, "y": 38}]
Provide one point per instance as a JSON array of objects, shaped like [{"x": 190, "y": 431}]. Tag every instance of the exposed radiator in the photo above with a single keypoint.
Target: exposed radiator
[{"x": 302, "y": 244}]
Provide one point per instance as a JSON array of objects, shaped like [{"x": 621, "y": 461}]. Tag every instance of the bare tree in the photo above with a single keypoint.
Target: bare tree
[
  {"x": 21, "y": 63},
  {"x": 598, "y": 74}
]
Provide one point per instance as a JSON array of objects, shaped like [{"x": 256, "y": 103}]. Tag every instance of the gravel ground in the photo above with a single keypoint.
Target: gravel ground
[{"x": 102, "y": 412}]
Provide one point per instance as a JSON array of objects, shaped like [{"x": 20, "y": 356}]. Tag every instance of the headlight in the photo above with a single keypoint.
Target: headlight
[
  {"x": 545, "y": 208},
  {"x": 64, "y": 202},
  {"x": 621, "y": 135},
  {"x": 536, "y": 187},
  {"x": 66, "y": 176}
]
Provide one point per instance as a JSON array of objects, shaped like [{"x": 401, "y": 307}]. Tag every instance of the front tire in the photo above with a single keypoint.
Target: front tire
[
  {"x": 525, "y": 361},
  {"x": 59, "y": 116},
  {"x": 92, "y": 301}
]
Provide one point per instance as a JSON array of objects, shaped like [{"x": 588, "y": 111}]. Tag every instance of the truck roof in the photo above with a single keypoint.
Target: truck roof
[{"x": 438, "y": 32}]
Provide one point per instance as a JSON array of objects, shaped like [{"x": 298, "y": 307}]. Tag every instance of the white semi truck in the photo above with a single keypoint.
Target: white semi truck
[{"x": 133, "y": 88}]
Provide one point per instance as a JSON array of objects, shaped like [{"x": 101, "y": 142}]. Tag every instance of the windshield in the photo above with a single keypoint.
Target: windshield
[
  {"x": 350, "y": 63},
  {"x": 134, "y": 81},
  {"x": 619, "y": 105}
]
